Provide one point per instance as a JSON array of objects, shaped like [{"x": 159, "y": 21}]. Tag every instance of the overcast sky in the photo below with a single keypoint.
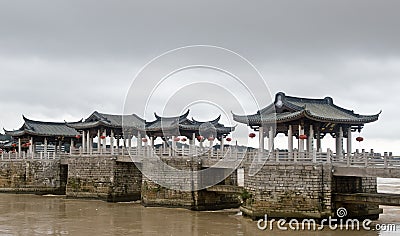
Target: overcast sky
[{"x": 61, "y": 60}]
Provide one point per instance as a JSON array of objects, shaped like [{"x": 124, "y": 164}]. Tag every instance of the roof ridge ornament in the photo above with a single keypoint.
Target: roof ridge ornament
[
  {"x": 329, "y": 100},
  {"x": 279, "y": 102}
]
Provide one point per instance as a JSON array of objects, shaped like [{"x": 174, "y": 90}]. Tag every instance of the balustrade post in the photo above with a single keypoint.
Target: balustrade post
[
  {"x": 385, "y": 159},
  {"x": 314, "y": 155},
  {"x": 236, "y": 151},
  {"x": 328, "y": 156},
  {"x": 348, "y": 160},
  {"x": 363, "y": 154}
]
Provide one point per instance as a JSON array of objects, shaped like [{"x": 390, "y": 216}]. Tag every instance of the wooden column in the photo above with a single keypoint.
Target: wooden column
[
  {"x": 117, "y": 144},
  {"x": 71, "y": 146},
  {"x": 261, "y": 139},
  {"x": 105, "y": 141},
  {"x": 271, "y": 139},
  {"x": 173, "y": 146},
  {"x": 193, "y": 144},
  {"x": 45, "y": 147},
  {"x": 99, "y": 142},
  {"x": 318, "y": 140},
  {"x": 222, "y": 144},
  {"x": 19, "y": 148},
  {"x": 301, "y": 141},
  {"x": 83, "y": 141},
  {"x": 112, "y": 142},
  {"x": 339, "y": 143},
  {"x": 88, "y": 141},
  {"x": 91, "y": 145},
  {"x": 310, "y": 139},
  {"x": 152, "y": 151},
  {"x": 130, "y": 143},
  {"x": 31, "y": 146},
  {"x": 201, "y": 144},
  {"x": 139, "y": 142},
  {"x": 290, "y": 139},
  {"x": 349, "y": 142}
]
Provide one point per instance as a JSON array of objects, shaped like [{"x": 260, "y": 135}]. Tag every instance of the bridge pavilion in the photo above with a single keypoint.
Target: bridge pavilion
[
  {"x": 33, "y": 132},
  {"x": 307, "y": 120},
  {"x": 173, "y": 127},
  {"x": 103, "y": 125}
]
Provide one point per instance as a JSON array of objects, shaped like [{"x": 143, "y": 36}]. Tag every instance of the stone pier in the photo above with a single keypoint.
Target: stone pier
[
  {"x": 103, "y": 178},
  {"x": 32, "y": 176},
  {"x": 352, "y": 185},
  {"x": 279, "y": 189},
  {"x": 304, "y": 190},
  {"x": 155, "y": 195},
  {"x": 288, "y": 190}
]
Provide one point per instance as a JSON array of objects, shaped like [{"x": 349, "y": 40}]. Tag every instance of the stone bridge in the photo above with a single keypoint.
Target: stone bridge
[{"x": 287, "y": 184}]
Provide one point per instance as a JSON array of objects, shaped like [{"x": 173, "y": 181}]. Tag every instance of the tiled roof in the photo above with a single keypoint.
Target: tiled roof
[
  {"x": 167, "y": 122},
  {"x": 286, "y": 108},
  {"x": 42, "y": 128},
  {"x": 183, "y": 123},
  {"x": 4, "y": 137},
  {"x": 108, "y": 120}
]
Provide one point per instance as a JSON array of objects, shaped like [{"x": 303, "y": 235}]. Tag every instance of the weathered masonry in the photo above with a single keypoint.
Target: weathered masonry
[
  {"x": 154, "y": 194},
  {"x": 298, "y": 182},
  {"x": 103, "y": 178},
  {"x": 304, "y": 190},
  {"x": 33, "y": 176}
]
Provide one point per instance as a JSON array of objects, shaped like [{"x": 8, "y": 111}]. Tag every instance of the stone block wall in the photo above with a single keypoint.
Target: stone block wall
[
  {"x": 369, "y": 185},
  {"x": 127, "y": 182},
  {"x": 354, "y": 184},
  {"x": 31, "y": 176},
  {"x": 154, "y": 194},
  {"x": 297, "y": 190},
  {"x": 103, "y": 178},
  {"x": 347, "y": 184}
]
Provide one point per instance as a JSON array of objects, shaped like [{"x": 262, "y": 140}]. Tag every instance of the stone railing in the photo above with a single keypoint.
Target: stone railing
[
  {"x": 366, "y": 159},
  {"x": 354, "y": 159},
  {"x": 27, "y": 155}
]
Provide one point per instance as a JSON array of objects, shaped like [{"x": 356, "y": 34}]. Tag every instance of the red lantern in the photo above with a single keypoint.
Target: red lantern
[
  {"x": 144, "y": 140},
  {"x": 252, "y": 135},
  {"x": 228, "y": 139},
  {"x": 102, "y": 137},
  {"x": 303, "y": 136},
  {"x": 78, "y": 136},
  {"x": 177, "y": 139},
  {"x": 210, "y": 138},
  {"x": 28, "y": 144},
  {"x": 14, "y": 144},
  {"x": 200, "y": 138},
  {"x": 360, "y": 139},
  {"x": 183, "y": 139}
]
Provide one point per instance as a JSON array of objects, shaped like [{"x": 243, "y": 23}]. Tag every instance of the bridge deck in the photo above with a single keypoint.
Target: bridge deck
[
  {"x": 377, "y": 198},
  {"x": 357, "y": 164},
  {"x": 225, "y": 189},
  {"x": 362, "y": 171}
]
